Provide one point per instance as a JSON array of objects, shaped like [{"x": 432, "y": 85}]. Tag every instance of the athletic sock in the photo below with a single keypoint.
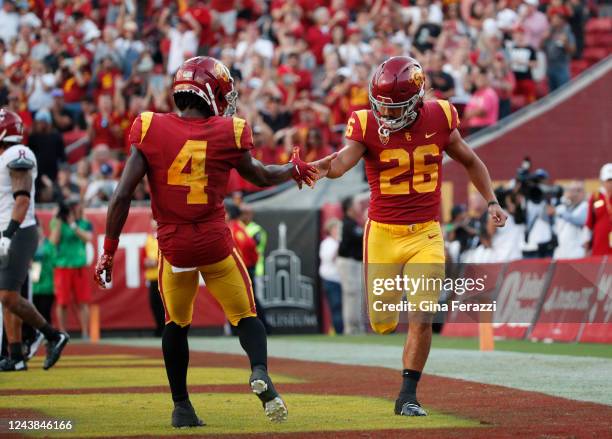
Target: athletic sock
[
  {"x": 176, "y": 357},
  {"x": 16, "y": 351},
  {"x": 49, "y": 332},
  {"x": 409, "y": 384},
  {"x": 252, "y": 336}
]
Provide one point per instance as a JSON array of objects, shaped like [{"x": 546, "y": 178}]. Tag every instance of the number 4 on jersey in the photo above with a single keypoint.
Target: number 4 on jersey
[{"x": 196, "y": 179}]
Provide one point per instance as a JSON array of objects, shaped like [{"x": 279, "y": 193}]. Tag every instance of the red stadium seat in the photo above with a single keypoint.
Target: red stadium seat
[
  {"x": 601, "y": 24},
  {"x": 578, "y": 66},
  {"x": 595, "y": 54}
]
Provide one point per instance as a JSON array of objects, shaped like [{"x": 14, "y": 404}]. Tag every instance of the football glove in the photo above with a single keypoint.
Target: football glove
[
  {"x": 104, "y": 266},
  {"x": 302, "y": 172}
]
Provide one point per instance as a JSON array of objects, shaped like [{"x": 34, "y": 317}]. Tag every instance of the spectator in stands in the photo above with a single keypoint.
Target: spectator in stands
[
  {"x": 99, "y": 191},
  {"x": 65, "y": 187},
  {"x": 48, "y": 146},
  {"x": 503, "y": 82},
  {"x": 559, "y": 47},
  {"x": 104, "y": 126},
  {"x": 42, "y": 276},
  {"x": 63, "y": 120},
  {"x": 10, "y": 22},
  {"x": 4, "y": 89},
  {"x": 578, "y": 16},
  {"x": 183, "y": 39},
  {"x": 149, "y": 262},
  {"x": 442, "y": 83},
  {"x": 599, "y": 217},
  {"x": 534, "y": 23},
  {"x": 74, "y": 77},
  {"x": 349, "y": 262},
  {"x": 569, "y": 219},
  {"x": 39, "y": 84},
  {"x": 328, "y": 270},
  {"x": 522, "y": 61},
  {"x": 70, "y": 233},
  {"x": 483, "y": 108}
]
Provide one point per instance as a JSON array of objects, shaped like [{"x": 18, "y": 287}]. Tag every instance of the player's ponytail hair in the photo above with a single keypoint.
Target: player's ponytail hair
[{"x": 186, "y": 100}]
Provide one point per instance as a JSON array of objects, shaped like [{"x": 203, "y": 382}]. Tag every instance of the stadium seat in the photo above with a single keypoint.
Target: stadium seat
[
  {"x": 600, "y": 24},
  {"x": 578, "y": 66}
]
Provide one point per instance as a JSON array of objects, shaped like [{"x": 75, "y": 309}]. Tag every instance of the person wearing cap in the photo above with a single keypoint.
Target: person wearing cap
[
  {"x": 62, "y": 118},
  {"x": 48, "y": 146},
  {"x": 599, "y": 216},
  {"x": 70, "y": 233},
  {"x": 99, "y": 191},
  {"x": 534, "y": 23}
]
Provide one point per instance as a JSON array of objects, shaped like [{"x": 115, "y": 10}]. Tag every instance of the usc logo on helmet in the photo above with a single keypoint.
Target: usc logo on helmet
[
  {"x": 222, "y": 72},
  {"x": 417, "y": 77}
]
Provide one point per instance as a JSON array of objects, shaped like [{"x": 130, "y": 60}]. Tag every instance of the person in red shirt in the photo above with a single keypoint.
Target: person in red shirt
[
  {"x": 107, "y": 77},
  {"x": 599, "y": 217},
  {"x": 105, "y": 126},
  {"x": 319, "y": 34},
  {"x": 200, "y": 13}
]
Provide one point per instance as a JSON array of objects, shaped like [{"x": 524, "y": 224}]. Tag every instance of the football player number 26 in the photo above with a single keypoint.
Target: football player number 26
[
  {"x": 196, "y": 179},
  {"x": 425, "y": 176}
]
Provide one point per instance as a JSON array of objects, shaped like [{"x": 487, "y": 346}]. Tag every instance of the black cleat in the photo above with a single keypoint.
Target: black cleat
[
  {"x": 33, "y": 345},
  {"x": 409, "y": 408},
  {"x": 184, "y": 416},
  {"x": 54, "y": 349},
  {"x": 261, "y": 385},
  {"x": 10, "y": 365}
]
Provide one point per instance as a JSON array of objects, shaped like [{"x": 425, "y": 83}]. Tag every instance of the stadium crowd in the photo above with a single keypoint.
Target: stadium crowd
[{"x": 78, "y": 72}]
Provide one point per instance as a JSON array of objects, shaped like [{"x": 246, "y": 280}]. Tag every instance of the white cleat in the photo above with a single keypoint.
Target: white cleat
[{"x": 276, "y": 410}]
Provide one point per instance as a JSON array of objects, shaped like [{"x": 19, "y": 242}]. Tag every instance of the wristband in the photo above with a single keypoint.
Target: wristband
[
  {"x": 110, "y": 245},
  {"x": 13, "y": 226},
  {"x": 21, "y": 194},
  {"x": 492, "y": 203}
]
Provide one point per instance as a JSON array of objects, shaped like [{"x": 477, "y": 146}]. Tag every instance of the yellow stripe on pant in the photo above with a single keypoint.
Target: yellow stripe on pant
[
  {"x": 394, "y": 254},
  {"x": 227, "y": 280}
]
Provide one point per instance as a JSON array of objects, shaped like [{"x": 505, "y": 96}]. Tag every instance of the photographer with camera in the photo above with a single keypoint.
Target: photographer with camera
[
  {"x": 535, "y": 201},
  {"x": 70, "y": 233}
]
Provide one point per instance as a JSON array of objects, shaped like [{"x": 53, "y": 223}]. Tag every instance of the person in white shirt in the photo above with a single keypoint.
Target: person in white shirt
[
  {"x": 569, "y": 219},
  {"x": 183, "y": 40},
  {"x": 18, "y": 242},
  {"x": 328, "y": 252}
]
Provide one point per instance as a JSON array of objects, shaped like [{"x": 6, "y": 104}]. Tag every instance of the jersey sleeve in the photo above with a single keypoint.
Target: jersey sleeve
[
  {"x": 139, "y": 129},
  {"x": 20, "y": 157},
  {"x": 450, "y": 112},
  {"x": 357, "y": 125},
  {"x": 243, "y": 136}
]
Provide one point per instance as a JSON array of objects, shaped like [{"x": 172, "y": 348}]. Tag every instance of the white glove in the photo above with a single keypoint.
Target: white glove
[{"x": 5, "y": 245}]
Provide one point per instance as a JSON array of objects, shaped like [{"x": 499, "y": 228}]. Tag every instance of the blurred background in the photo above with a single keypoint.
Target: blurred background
[{"x": 530, "y": 80}]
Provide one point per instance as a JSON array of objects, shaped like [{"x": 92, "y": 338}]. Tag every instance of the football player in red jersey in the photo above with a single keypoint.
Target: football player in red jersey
[
  {"x": 187, "y": 158},
  {"x": 402, "y": 139}
]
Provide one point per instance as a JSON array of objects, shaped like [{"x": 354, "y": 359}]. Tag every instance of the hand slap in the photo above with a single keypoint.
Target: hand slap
[{"x": 302, "y": 172}]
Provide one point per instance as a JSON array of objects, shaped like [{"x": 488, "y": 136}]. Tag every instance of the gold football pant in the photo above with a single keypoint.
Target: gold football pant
[
  {"x": 227, "y": 280},
  {"x": 395, "y": 253}
]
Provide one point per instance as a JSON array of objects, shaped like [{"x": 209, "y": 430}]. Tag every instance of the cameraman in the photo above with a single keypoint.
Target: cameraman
[
  {"x": 70, "y": 233},
  {"x": 537, "y": 201},
  {"x": 569, "y": 219}
]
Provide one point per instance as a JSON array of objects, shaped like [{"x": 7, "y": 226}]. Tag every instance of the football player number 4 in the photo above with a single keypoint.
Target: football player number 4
[
  {"x": 425, "y": 176},
  {"x": 196, "y": 179}
]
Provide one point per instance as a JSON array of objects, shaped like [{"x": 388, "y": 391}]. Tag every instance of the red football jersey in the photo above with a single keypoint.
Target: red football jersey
[
  {"x": 405, "y": 171},
  {"x": 189, "y": 162}
]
